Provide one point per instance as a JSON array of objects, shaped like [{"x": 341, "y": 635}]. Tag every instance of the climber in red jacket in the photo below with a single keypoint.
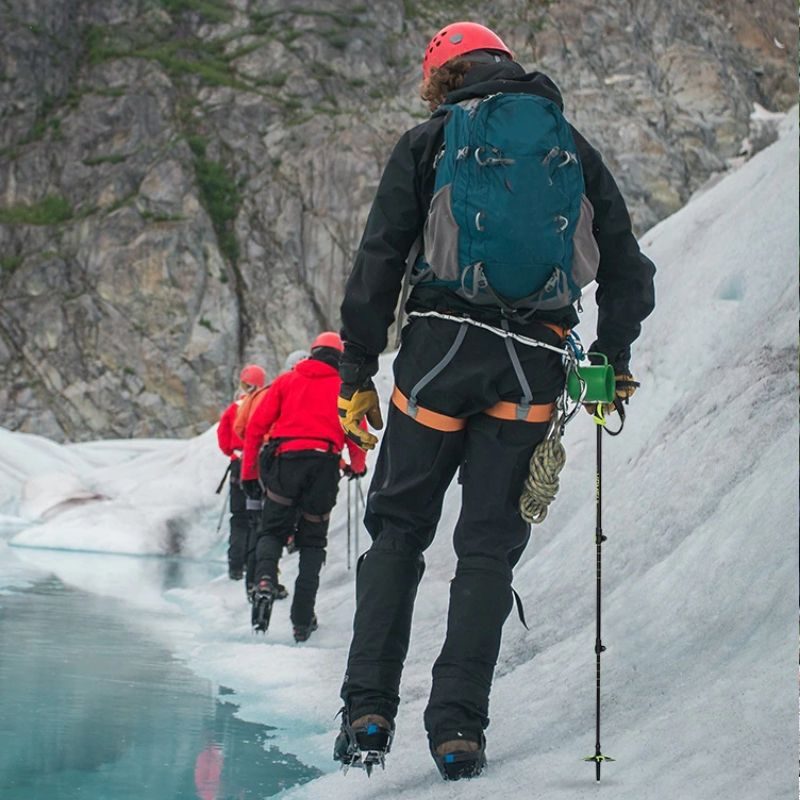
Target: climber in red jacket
[
  {"x": 245, "y": 513},
  {"x": 300, "y": 472}
]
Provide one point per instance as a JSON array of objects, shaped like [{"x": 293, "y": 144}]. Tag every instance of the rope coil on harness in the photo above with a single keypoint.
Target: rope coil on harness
[
  {"x": 541, "y": 485},
  {"x": 550, "y": 456}
]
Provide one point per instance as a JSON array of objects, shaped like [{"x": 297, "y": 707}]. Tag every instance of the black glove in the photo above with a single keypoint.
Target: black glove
[
  {"x": 355, "y": 367},
  {"x": 349, "y": 473},
  {"x": 252, "y": 489}
]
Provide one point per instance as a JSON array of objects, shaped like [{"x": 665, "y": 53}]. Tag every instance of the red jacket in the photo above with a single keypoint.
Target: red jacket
[
  {"x": 228, "y": 441},
  {"x": 301, "y": 405}
]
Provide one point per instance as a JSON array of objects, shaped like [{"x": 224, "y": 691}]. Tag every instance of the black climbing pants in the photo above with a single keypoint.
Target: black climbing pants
[
  {"x": 414, "y": 469},
  {"x": 301, "y": 488},
  {"x": 242, "y": 521}
]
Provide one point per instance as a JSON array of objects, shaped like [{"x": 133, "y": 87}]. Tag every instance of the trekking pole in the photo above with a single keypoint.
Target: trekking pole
[
  {"x": 599, "y": 538},
  {"x": 222, "y": 512},
  {"x": 358, "y": 510},
  {"x": 224, "y": 478},
  {"x": 348, "y": 524}
]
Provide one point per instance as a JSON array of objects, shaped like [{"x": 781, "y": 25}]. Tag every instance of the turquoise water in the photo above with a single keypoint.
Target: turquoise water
[{"x": 93, "y": 709}]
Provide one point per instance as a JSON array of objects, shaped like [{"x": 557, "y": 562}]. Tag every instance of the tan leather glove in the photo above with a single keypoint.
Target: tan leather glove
[
  {"x": 625, "y": 387},
  {"x": 355, "y": 404}
]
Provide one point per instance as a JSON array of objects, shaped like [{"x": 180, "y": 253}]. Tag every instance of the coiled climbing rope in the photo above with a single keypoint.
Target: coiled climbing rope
[{"x": 541, "y": 485}]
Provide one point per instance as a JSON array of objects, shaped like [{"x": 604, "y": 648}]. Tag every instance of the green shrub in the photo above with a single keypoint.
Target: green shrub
[
  {"x": 97, "y": 47},
  {"x": 220, "y": 197},
  {"x": 10, "y": 263},
  {"x": 212, "y": 10},
  {"x": 50, "y": 211}
]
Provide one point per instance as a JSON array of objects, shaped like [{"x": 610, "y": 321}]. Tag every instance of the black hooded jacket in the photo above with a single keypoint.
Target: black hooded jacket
[{"x": 625, "y": 292}]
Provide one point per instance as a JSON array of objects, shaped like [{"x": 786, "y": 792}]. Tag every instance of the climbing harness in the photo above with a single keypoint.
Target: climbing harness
[{"x": 549, "y": 457}]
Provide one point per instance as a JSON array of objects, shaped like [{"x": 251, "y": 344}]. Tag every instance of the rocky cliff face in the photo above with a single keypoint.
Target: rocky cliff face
[{"x": 183, "y": 183}]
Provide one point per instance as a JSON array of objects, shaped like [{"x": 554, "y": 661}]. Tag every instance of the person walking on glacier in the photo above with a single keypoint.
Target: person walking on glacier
[
  {"x": 299, "y": 469},
  {"x": 503, "y": 211},
  {"x": 245, "y": 512}
]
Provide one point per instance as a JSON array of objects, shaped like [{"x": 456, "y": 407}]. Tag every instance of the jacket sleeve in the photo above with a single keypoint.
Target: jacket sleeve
[
  {"x": 394, "y": 223},
  {"x": 358, "y": 458},
  {"x": 261, "y": 420},
  {"x": 224, "y": 432},
  {"x": 625, "y": 291}
]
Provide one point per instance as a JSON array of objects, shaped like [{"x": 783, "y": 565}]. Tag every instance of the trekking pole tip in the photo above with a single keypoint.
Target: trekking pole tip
[{"x": 598, "y": 759}]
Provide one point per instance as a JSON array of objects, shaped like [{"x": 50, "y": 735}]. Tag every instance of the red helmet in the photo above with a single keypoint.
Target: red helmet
[
  {"x": 457, "y": 39},
  {"x": 328, "y": 339},
  {"x": 253, "y": 375}
]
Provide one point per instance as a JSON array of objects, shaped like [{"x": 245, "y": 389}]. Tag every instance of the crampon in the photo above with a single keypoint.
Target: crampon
[
  {"x": 363, "y": 744},
  {"x": 261, "y": 610},
  {"x": 456, "y": 763}
]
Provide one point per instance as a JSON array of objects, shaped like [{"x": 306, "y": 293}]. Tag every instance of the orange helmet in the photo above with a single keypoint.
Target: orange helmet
[
  {"x": 457, "y": 39},
  {"x": 328, "y": 339},
  {"x": 253, "y": 375}
]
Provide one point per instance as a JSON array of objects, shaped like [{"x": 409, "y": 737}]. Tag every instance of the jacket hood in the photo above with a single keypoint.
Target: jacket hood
[
  {"x": 313, "y": 368},
  {"x": 505, "y": 76}
]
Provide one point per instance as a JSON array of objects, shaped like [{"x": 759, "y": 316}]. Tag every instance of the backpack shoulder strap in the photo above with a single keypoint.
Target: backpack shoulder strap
[{"x": 411, "y": 259}]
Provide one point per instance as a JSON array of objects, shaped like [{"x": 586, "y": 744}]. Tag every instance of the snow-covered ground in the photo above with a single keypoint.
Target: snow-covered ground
[{"x": 700, "y": 567}]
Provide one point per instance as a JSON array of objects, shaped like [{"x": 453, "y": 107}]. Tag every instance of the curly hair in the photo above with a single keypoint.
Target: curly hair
[{"x": 443, "y": 80}]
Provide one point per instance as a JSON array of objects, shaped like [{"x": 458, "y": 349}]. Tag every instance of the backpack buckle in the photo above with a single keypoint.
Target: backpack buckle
[{"x": 569, "y": 158}]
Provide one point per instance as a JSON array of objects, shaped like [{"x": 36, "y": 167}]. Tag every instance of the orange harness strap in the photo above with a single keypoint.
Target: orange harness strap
[
  {"x": 539, "y": 412},
  {"x": 562, "y": 332},
  {"x": 426, "y": 417}
]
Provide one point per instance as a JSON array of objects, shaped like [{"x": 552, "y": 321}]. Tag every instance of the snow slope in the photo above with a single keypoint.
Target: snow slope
[{"x": 700, "y": 567}]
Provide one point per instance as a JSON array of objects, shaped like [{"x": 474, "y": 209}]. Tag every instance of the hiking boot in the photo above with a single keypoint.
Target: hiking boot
[
  {"x": 281, "y": 592},
  {"x": 235, "y": 573},
  {"x": 364, "y": 743},
  {"x": 263, "y": 596},
  {"x": 460, "y": 758},
  {"x": 302, "y": 632}
]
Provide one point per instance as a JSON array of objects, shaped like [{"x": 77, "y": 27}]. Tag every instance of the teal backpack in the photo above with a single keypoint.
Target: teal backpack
[{"x": 509, "y": 224}]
